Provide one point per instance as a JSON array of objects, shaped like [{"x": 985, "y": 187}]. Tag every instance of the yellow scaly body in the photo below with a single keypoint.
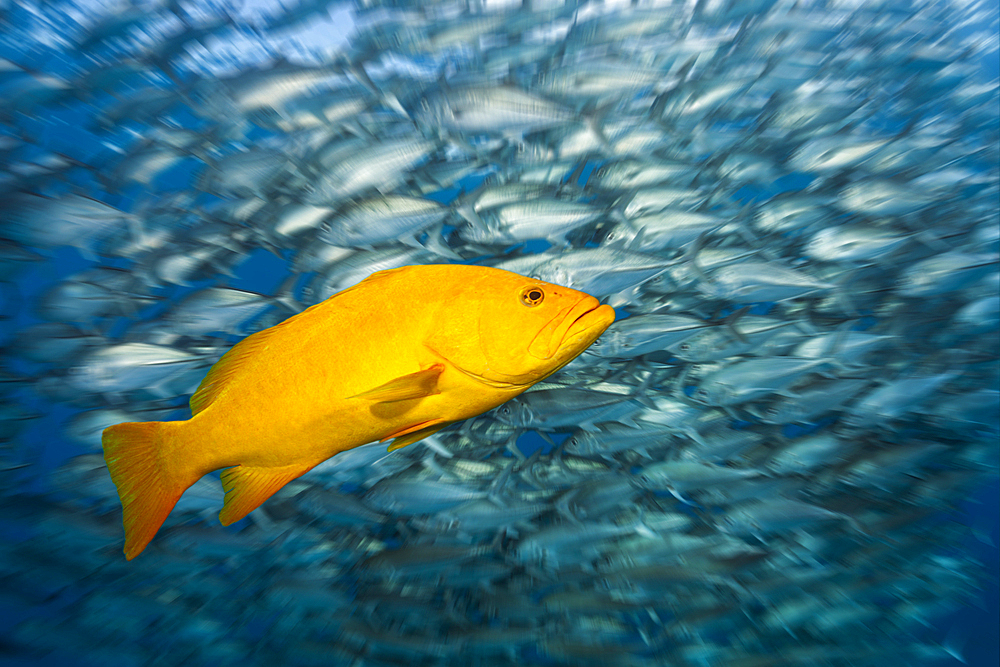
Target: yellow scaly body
[{"x": 400, "y": 355}]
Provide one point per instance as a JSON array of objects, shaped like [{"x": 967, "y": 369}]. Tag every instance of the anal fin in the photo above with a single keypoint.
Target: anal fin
[
  {"x": 414, "y": 385},
  {"x": 248, "y": 487},
  {"x": 415, "y": 434}
]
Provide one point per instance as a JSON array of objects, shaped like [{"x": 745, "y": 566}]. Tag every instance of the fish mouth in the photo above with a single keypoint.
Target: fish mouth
[
  {"x": 586, "y": 329},
  {"x": 572, "y": 330}
]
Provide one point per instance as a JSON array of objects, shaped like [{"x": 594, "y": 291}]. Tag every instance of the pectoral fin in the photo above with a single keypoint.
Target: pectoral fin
[
  {"x": 415, "y": 433},
  {"x": 415, "y": 385},
  {"x": 247, "y": 488}
]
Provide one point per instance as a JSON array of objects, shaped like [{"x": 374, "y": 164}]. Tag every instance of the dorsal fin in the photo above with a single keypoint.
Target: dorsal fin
[
  {"x": 225, "y": 368},
  {"x": 376, "y": 277}
]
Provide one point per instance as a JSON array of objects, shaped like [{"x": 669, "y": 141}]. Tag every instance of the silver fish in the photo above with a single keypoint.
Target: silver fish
[
  {"x": 665, "y": 230},
  {"x": 945, "y": 273},
  {"x": 854, "y": 244},
  {"x": 642, "y": 334},
  {"x": 748, "y": 380},
  {"x": 634, "y": 173},
  {"x": 810, "y": 403},
  {"x": 380, "y": 166},
  {"x": 549, "y": 219},
  {"x": 132, "y": 366},
  {"x": 501, "y": 109},
  {"x": 794, "y": 203},
  {"x": 216, "y": 309},
  {"x": 685, "y": 476},
  {"x": 894, "y": 400},
  {"x": 807, "y": 454},
  {"x": 549, "y": 409},
  {"x": 752, "y": 282},
  {"x": 380, "y": 219}
]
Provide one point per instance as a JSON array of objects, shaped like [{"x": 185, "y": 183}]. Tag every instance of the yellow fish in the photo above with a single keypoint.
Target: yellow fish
[{"x": 401, "y": 355}]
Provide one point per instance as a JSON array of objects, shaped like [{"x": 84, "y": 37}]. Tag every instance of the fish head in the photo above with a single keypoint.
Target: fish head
[
  {"x": 515, "y": 330},
  {"x": 606, "y": 345},
  {"x": 485, "y": 430},
  {"x": 779, "y": 412},
  {"x": 714, "y": 393},
  {"x": 478, "y": 234},
  {"x": 621, "y": 235},
  {"x": 514, "y": 413},
  {"x": 698, "y": 346},
  {"x": 431, "y": 111},
  {"x": 582, "y": 443}
]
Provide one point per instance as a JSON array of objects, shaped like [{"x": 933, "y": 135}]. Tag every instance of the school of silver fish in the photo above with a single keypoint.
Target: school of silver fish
[{"x": 793, "y": 206}]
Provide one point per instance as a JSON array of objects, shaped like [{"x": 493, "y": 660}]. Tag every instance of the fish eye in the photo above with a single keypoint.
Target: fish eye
[
  {"x": 685, "y": 346},
  {"x": 532, "y": 296}
]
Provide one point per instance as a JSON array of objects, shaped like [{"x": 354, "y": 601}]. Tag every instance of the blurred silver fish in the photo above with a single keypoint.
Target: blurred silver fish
[{"x": 764, "y": 462}]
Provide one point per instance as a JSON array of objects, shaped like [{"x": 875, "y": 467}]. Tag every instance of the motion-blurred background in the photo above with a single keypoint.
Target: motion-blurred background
[{"x": 783, "y": 453}]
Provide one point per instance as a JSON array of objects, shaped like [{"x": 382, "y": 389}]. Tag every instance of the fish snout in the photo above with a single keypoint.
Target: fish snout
[{"x": 585, "y": 321}]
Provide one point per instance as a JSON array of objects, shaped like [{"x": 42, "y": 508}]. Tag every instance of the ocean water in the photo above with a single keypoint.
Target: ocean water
[{"x": 775, "y": 122}]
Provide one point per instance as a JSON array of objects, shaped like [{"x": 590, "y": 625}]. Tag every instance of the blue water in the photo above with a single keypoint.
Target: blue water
[{"x": 973, "y": 628}]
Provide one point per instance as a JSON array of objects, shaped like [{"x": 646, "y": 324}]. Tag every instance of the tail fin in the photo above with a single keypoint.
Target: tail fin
[{"x": 142, "y": 473}]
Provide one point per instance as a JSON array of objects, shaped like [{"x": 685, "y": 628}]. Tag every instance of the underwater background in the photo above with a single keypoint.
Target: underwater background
[{"x": 784, "y": 452}]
